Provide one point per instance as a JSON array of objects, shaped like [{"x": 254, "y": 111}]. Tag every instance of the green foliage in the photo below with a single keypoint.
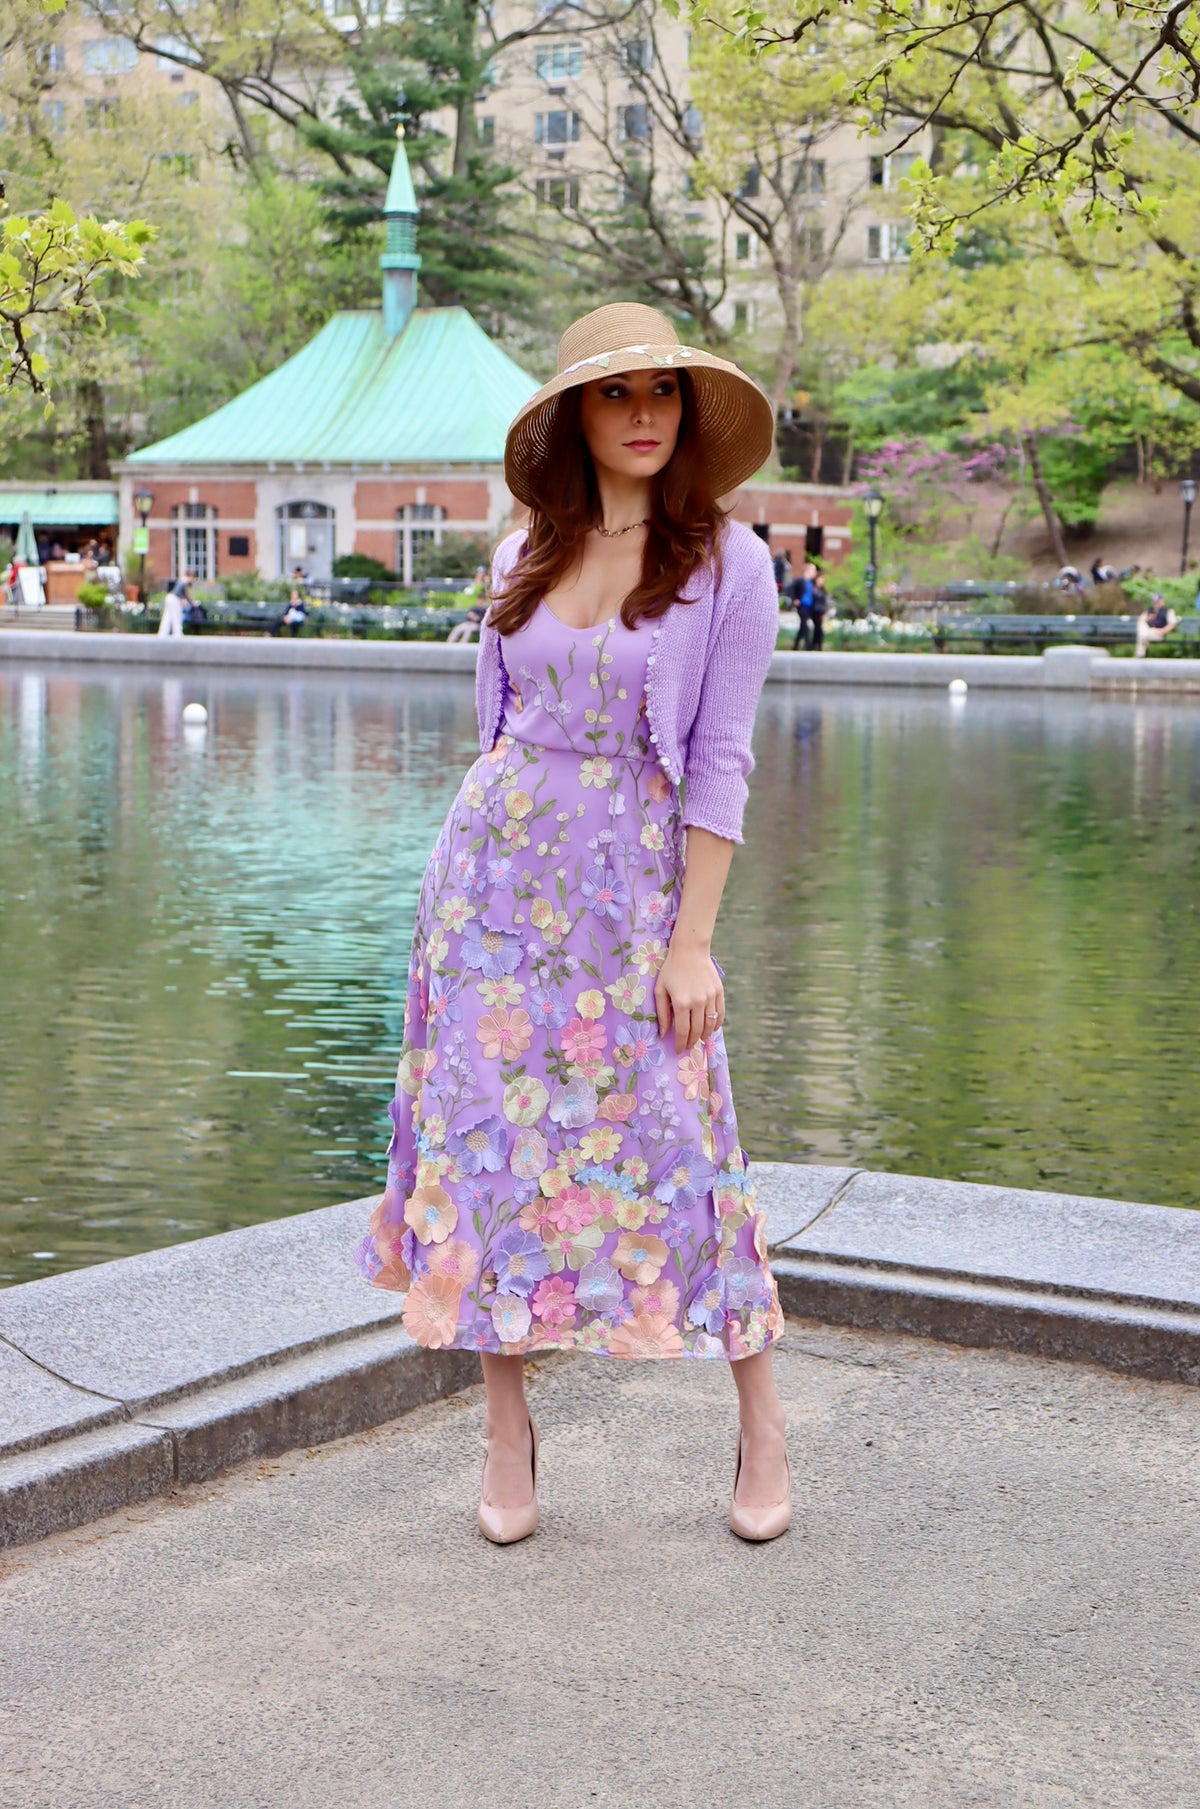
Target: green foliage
[
  {"x": 248, "y": 587},
  {"x": 1178, "y": 593},
  {"x": 51, "y": 267},
  {"x": 458, "y": 556},
  {"x": 1076, "y": 467},
  {"x": 908, "y": 402},
  {"x": 360, "y": 565},
  {"x": 92, "y": 595}
]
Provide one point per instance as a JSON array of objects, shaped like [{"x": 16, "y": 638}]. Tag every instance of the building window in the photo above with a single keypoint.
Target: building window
[
  {"x": 189, "y": 98},
  {"x": 486, "y": 128},
  {"x": 741, "y": 248},
  {"x": 887, "y": 244},
  {"x": 556, "y": 128},
  {"x": 54, "y": 116},
  {"x": 178, "y": 163},
  {"x": 194, "y": 540},
  {"x": 558, "y": 191},
  {"x": 102, "y": 112},
  {"x": 239, "y": 546},
  {"x": 811, "y": 243},
  {"x": 810, "y": 177},
  {"x": 559, "y": 62},
  {"x": 890, "y": 171},
  {"x": 637, "y": 55},
  {"x": 420, "y": 528},
  {"x": 633, "y": 124},
  {"x": 693, "y": 121},
  {"x": 743, "y": 316},
  {"x": 634, "y": 190},
  {"x": 109, "y": 56},
  {"x": 749, "y": 185},
  {"x": 51, "y": 59},
  {"x": 172, "y": 52}
]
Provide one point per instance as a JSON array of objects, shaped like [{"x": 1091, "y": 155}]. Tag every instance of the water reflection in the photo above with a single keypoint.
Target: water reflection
[{"x": 958, "y": 942}]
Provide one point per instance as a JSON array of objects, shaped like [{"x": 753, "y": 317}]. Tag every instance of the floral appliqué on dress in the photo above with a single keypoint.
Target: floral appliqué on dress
[{"x": 558, "y": 1177}]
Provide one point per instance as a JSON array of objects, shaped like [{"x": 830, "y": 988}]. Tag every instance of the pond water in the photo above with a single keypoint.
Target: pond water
[{"x": 959, "y": 942}]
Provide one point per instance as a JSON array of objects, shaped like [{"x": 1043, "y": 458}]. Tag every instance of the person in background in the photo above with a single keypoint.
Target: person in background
[
  {"x": 1154, "y": 624},
  {"x": 293, "y": 617},
  {"x": 463, "y": 631},
  {"x": 1102, "y": 572},
  {"x": 800, "y": 590},
  {"x": 171, "y": 620},
  {"x": 783, "y": 571},
  {"x": 819, "y": 607}
]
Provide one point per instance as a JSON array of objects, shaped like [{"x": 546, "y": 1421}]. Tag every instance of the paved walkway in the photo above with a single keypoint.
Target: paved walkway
[{"x": 988, "y": 1599}]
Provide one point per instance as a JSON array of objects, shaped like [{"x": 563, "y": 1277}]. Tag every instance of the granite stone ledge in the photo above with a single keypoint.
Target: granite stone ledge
[
  {"x": 148, "y": 1329},
  {"x": 310, "y": 1400},
  {"x": 1147, "y": 678},
  {"x": 1096, "y": 1248},
  {"x": 793, "y": 1195},
  {"x": 36, "y": 1407},
  {"x": 250, "y": 650},
  {"x": 1157, "y": 1344},
  {"x": 78, "y": 1479}
]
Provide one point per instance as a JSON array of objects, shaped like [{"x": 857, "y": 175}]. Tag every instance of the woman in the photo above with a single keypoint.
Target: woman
[{"x": 564, "y": 1171}]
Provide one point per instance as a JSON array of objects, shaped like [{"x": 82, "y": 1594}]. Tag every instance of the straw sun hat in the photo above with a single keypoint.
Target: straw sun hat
[{"x": 735, "y": 419}]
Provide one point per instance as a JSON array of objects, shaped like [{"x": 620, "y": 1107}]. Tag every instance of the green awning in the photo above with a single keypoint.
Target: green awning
[{"x": 60, "y": 508}]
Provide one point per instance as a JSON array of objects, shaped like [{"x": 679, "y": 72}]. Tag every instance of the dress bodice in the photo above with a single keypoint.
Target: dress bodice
[{"x": 580, "y": 690}]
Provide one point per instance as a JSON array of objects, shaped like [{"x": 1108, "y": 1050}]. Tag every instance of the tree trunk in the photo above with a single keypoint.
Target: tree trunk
[
  {"x": 790, "y": 339},
  {"x": 468, "y": 79},
  {"x": 817, "y": 453},
  {"x": 1053, "y": 524},
  {"x": 848, "y": 457},
  {"x": 95, "y": 428}
]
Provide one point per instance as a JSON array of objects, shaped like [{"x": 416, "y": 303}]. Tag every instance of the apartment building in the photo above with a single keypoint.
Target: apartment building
[{"x": 600, "y": 114}]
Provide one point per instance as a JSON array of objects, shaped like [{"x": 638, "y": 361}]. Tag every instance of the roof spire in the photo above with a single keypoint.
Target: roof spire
[{"x": 399, "y": 262}]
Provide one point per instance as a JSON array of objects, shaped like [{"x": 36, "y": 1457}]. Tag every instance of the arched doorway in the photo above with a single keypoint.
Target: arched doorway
[{"x": 306, "y": 539}]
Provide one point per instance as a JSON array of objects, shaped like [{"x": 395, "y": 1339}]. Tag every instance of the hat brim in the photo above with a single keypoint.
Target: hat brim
[{"x": 734, "y": 419}]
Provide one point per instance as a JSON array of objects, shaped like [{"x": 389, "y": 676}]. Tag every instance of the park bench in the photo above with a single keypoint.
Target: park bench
[
  {"x": 355, "y": 619},
  {"x": 997, "y": 633}
]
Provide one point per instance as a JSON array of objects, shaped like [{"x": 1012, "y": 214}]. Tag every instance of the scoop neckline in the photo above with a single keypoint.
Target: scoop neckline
[{"x": 570, "y": 627}]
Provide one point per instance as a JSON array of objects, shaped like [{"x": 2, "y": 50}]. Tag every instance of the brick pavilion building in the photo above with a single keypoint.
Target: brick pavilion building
[{"x": 386, "y": 431}]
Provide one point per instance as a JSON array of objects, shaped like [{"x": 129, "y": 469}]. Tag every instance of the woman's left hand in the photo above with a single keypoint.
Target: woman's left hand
[{"x": 689, "y": 994}]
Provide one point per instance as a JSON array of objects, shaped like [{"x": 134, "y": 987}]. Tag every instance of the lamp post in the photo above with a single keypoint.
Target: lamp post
[
  {"x": 1187, "y": 490},
  {"x": 143, "y": 502},
  {"x": 873, "y": 506}
]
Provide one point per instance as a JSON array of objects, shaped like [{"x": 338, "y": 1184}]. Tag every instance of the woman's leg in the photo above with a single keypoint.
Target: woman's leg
[
  {"x": 763, "y": 1479},
  {"x": 508, "y": 1472}
]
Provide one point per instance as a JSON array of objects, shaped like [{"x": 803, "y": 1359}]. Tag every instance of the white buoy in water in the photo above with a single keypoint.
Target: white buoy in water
[
  {"x": 957, "y": 687},
  {"x": 195, "y": 712}
]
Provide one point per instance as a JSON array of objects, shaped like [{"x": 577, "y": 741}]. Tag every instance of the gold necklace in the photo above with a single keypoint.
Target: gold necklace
[{"x": 616, "y": 533}]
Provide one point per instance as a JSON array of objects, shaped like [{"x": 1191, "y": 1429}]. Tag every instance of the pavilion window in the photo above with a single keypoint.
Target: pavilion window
[
  {"x": 421, "y": 527},
  {"x": 194, "y": 540}
]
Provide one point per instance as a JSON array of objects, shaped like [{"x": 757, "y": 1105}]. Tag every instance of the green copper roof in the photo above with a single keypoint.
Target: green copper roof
[
  {"x": 440, "y": 392},
  {"x": 401, "y": 198}
]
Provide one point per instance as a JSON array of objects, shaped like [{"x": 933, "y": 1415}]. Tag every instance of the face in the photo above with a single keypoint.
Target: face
[{"x": 631, "y": 422}]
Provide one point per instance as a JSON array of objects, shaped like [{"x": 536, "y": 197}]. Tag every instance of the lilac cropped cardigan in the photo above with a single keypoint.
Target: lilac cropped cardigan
[{"x": 704, "y": 676}]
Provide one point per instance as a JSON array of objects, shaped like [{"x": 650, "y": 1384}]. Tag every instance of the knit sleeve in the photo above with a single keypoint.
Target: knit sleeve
[{"x": 718, "y": 757}]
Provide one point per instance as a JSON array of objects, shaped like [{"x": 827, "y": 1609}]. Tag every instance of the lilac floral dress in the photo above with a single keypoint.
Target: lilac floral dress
[{"x": 558, "y": 1176}]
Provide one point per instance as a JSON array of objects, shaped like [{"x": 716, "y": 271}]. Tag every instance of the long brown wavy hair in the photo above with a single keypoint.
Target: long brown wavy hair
[{"x": 685, "y": 519}]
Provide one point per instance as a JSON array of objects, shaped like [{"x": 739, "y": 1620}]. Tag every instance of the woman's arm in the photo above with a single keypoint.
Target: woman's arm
[{"x": 688, "y": 992}]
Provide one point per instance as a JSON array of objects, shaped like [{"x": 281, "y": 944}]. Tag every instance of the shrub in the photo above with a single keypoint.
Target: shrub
[
  {"x": 361, "y": 565},
  {"x": 93, "y": 595}
]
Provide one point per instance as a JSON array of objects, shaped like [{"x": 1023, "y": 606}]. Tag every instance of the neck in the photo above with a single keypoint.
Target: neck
[{"x": 623, "y": 499}]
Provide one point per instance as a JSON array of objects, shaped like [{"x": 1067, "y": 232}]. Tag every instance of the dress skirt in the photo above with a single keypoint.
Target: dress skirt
[{"x": 558, "y": 1176}]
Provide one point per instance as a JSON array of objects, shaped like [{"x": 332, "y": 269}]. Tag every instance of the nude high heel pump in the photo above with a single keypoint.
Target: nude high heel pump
[
  {"x": 761, "y": 1523},
  {"x": 504, "y": 1526}
]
